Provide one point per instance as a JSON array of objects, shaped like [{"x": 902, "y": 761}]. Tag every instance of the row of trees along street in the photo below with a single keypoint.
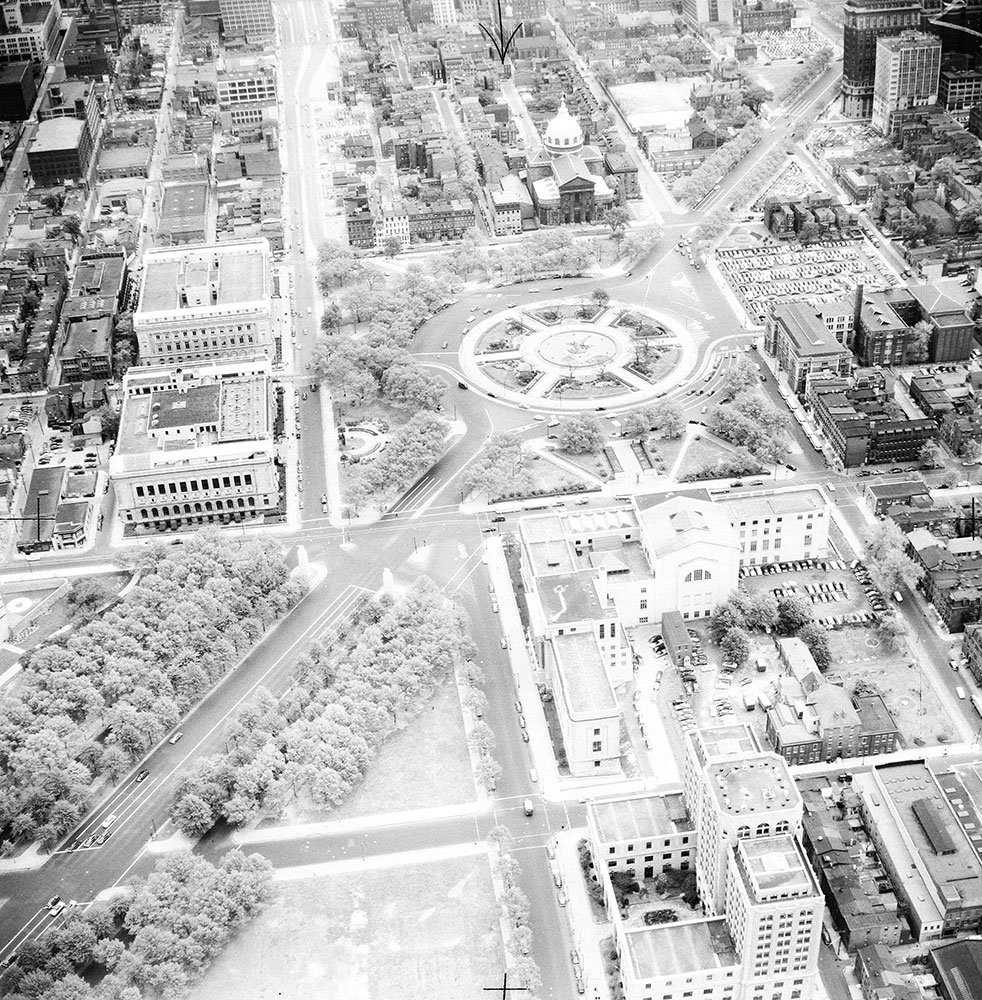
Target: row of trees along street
[
  {"x": 98, "y": 698},
  {"x": 692, "y": 188},
  {"x": 346, "y": 697},
  {"x": 155, "y": 940}
]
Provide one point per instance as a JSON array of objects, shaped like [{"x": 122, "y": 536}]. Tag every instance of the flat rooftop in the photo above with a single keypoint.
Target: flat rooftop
[
  {"x": 721, "y": 742},
  {"x": 218, "y": 276},
  {"x": 773, "y": 864},
  {"x": 183, "y": 200},
  {"x": 174, "y": 408},
  {"x": 57, "y": 134},
  {"x": 640, "y": 817},
  {"x": 584, "y": 677},
  {"x": 928, "y": 821},
  {"x": 775, "y": 505},
  {"x": 757, "y": 783},
  {"x": 675, "y": 949}
]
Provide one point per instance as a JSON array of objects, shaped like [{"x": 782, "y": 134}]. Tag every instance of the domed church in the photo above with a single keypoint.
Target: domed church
[{"x": 565, "y": 176}]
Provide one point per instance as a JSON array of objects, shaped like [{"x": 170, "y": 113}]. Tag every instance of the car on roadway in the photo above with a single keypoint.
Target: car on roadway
[
  {"x": 790, "y": 467},
  {"x": 108, "y": 821},
  {"x": 525, "y": 736},
  {"x": 563, "y": 898},
  {"x": 557, "y": 288},
  {"x": 53, "y": 902},
  {"x": 504, "y": 642},
  {"x": 142, "y": 776},
  {"x": 303, "y": 395},
  {"x": 498, "y": 519},
  {"x": 76, "y": 845},
  {"x": 830, "y": 487},
  {"x": 521, "y": 721},
  {"x": 104, "y": 837},
  {"x": 56, "y": 909},
  {"x": 88, "y": 842},
  {"x": 176, "y": 738}
]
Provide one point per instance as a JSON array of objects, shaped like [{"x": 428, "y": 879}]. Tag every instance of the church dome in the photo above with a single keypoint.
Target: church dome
[{"x": 563, "y": 133}]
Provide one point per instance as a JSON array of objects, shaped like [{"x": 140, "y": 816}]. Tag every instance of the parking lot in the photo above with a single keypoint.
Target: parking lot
[
  {"x": 839, "y": 593},
  {"x": 819, "y": 272}
]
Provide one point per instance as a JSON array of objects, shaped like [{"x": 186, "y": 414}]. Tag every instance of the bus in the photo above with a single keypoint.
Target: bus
[{"x": 977, "y": 703}]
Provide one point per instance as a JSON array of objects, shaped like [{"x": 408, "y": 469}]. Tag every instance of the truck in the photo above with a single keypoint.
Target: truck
[
  {"x": 764, "y": 702},
  {"x": 960, "y": 691},
  {"x": 749, "y": 702},
  {"x": 977, "y": 703}
]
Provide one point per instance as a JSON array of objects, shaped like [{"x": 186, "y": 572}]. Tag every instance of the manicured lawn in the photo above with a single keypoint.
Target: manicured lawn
[
  {"x": 403, "y": 777},
  {"x": 700, "y": 453},
  {"x": 590, "y": 463},
  {"x": 420, "y": 932}
]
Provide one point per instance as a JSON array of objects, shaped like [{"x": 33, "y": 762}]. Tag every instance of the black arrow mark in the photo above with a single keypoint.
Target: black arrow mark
[{"x": 499, "y": 43}]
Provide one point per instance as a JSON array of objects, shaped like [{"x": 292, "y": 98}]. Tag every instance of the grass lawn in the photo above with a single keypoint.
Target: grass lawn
[
  {"x": 403, "y": 777},
  {"x": 699, "y": 453},
  {"x": 547, "y": 477},
  {"x": 592, "y": 464},
  {"x": 857, "y": 654},
  {"x": 668, "y": 448},
  {"x": 776, "y": 76},
  {"x": 419, "y": 932}
]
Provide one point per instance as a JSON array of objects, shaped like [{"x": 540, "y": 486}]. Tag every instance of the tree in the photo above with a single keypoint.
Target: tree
[
  {"x": 892, "y": 631},
  {"x": 413, "y": 386},
  {"x": 740, "y": 377},
  {"x": 912, "y": 230},
  {"x": 623, "y": 884},
  {"x": 502, "y": 469},
  {"x": 669, "y": 417},
  {"x": 888, "y": 564},
  {"x": 86, "y": 595},
  {"x": 109, "y": 419},
  {"x": 931, "y": 455},
  {"x": 919, "y": 343},
  {"x": 971, "y": 450},
  {"x": 809, "y": 232},
  {"x": 617, "y": 217},
  {"x": 123, "y": 358},
  {"x": 331, "y": 318},
  {"x": 391, "y": 246},
  {"x": 581, "y": 434},
  {"x": 736, "y": 646},
  {"x": 600, "y": 297},
  {"x": 72, "y": 225},
  {"x": 755, "y": 96},
  {"x": 193, "y": 816},
  {"x": 817, "y": 641},
  {"x": 337, "y": 265},
  {"x": 793, "y": 613},
  {"x": 944, "y": 170}
]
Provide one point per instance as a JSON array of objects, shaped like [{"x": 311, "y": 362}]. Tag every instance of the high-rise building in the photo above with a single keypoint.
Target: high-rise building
[
  {"x": 444, "y": 12},
  {"x": 205, "y": 302},
  {"x": 252, "y": 18},
  {"x": 865, "y": 21},
  {"x": 907, "y": 69},
  {"x": 698, "y": 12}
]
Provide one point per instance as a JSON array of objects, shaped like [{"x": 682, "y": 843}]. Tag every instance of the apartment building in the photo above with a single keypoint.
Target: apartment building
[
  {"x": 196, "y": 446},
  {"x": 205, "y": 302}
]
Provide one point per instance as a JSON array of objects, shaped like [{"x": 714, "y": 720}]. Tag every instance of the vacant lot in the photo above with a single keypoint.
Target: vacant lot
[
  {"x": 420, "y": 932},
  {"x": 857, "y": 654},
  {"x": 403, "y": 777}
]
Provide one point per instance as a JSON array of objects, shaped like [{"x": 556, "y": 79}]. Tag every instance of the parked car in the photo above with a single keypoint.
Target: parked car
[
  {"x": 176, "y": 738},
  {"x": 142, "y": 776}
]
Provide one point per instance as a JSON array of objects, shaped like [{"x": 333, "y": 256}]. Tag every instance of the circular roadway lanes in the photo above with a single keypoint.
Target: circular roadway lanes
[{"x": 580, "y": 349}]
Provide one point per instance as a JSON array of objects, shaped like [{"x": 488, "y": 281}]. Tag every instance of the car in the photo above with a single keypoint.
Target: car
[
  {"x": 8, "y": 961},
  {"x": 307, "y": 366},
  {"x": 521, "y": 721},
  {"x": 176, "y": 738},
  {"x": 461, "y": 385},
  {"x": 898, "y": 597},
  {"x": 830, "y": 487},
  {"x": 88, "y": 842},
  {"x": 104, "y": 837},
  {"x": 142, "y": 776},
  {"x": 108, "y": 821},
  {"x": 76, "y": 845},
  {"x": 557, "y": 288},
  {"x": 563, "y": 898},
  {"x": 896, "y": 470},
  {"x": 525, "y": 736},
  {"x": 628, "y": 275},
  {"x": 790, "y": 467},
  {"x": 303, "y": 395},
  {"x": 963, "y": 483},
  {"x": 518, "y": 707},
  {"x": 53, "y": 902},
  {"x": 55, "y": 910},
  {"x": 498, "y": 519},
  {"x": 504, "y": 643}
]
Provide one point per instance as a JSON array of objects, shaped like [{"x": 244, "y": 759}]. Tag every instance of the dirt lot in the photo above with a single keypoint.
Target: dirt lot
[
  {"x": 420, "y": 932},
  {"x": 857, "y": 654}
]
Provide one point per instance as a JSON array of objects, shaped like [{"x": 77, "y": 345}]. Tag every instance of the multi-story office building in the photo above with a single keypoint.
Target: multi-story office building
[
  {"x": 60, "y": 151},
  {"x": 761, "y": 930},
  {"x": 196, "y": 446},
  {"x": 17, "y": 91},
  {"x": 251, "y": 18},
  {"x": 907, "y": 69},
  {"x": 246, "y": 87},
  {"x": 960, "y": 90},
  {"x": 207, "y": 302},
  {"x": 865, "y": 21},
  {"x": 28, "y": 31},
  {"x": 781, "y": 527},
  {"x": 703, "y": 12},
  {"x": 807, "y": 339},
  {"x": 444, "y": 12}
]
